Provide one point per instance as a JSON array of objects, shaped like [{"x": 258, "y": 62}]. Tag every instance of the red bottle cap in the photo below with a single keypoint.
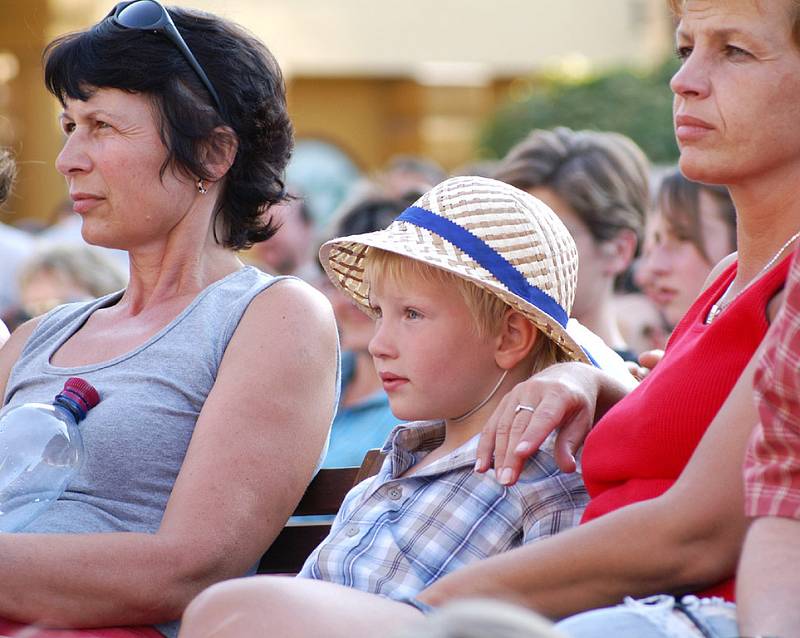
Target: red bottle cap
[{"x": 82, "y": 392}]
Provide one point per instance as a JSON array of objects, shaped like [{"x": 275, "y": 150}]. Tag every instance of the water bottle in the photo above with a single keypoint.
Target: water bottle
[{"x": 41, "y": 449}]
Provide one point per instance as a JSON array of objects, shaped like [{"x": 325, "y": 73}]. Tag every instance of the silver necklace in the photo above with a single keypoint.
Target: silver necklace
[
  {"x": 721, "y": 304},
  {"x": 484, "y": 402}
]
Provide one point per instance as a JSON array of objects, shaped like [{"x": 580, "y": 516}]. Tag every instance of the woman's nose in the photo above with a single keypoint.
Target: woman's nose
[
  {"x": 691, "y": 80},
  {"x": 73, "y": 157}
]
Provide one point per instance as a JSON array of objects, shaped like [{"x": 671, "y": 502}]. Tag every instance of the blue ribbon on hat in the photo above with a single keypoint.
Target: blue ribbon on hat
[
  {"x": 590, "y": 357},
  {"x": 487, "y": 257}
]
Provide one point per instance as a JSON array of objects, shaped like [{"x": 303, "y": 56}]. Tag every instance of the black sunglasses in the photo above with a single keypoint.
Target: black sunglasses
[{"x": 149, "y": 15}]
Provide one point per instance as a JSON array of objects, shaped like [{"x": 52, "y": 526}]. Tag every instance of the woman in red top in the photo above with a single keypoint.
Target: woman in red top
[{"x": 664, "y": 465}]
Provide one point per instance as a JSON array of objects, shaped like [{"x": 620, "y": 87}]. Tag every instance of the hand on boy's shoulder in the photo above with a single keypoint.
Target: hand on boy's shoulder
[{"x": 543, "y": 463}]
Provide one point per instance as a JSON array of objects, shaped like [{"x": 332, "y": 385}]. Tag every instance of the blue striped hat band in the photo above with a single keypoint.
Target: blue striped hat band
[{"x": 487, "y": 257}]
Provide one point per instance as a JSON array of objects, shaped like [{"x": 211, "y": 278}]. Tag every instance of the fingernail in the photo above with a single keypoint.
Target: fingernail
[
  {"x": 505, "y": 476},
  {"x": 523, "y": 448},
  {"x": 478, "y": 465}
]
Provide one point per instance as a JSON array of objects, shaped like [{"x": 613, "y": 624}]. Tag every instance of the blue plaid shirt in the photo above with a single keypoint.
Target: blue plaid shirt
[{"x": 395, "y": 535}]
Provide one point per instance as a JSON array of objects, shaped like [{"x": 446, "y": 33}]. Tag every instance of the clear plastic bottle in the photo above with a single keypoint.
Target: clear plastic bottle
[{"x": 41, "y": 449}]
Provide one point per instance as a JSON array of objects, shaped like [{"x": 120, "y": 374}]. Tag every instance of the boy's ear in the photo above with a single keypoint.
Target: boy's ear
[{"x": 515, "y": 340}]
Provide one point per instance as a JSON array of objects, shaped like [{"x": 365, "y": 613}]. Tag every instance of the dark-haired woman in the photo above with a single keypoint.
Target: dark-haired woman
[{"x": 217, "y": 382}]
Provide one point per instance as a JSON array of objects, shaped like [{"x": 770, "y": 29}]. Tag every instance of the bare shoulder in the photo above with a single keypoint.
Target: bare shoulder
[
  {"x": 294, "y": 297},
  {"x": 291, "y": 308},
  {"x": 716, "y": 271},
  {"x": 288, "y": 328}
]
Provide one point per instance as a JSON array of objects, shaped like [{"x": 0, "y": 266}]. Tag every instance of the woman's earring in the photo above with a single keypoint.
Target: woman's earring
[{"x": 201, "y": 187}]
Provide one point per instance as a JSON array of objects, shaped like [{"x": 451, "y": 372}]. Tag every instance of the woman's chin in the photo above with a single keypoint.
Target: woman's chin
[
  {"x": 698, "y": 166},
  {"x": 95, "y": 237}
]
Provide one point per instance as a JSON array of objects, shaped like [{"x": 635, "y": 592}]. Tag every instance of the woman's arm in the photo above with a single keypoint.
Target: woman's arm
[
  {"x": 686, "y": 539},
  {"x": 253, "y": 451},
  {"x": 768, "y": 587}
]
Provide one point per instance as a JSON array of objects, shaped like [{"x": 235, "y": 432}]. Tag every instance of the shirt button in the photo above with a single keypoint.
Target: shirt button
[
  {"x": 395, "y": 493},
  {"x": 351, "y": 531}
]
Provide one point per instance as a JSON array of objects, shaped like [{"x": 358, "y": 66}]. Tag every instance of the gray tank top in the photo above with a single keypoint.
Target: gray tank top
[{"x": 137, "y": 436}]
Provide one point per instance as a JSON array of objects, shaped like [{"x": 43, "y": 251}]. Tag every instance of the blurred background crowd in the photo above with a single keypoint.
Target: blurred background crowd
[{"x": 568, "y": 100}]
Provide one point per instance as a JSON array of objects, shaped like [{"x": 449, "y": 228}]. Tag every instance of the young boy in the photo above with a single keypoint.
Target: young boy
[{"x": 471, "y": 289}]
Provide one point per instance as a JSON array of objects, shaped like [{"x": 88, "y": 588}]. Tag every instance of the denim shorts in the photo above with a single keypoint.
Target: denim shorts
[{"x": 656, "y": 617}]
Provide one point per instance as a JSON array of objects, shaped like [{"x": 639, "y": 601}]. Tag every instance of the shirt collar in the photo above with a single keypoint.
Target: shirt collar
[{"x": 408, "y": 443}]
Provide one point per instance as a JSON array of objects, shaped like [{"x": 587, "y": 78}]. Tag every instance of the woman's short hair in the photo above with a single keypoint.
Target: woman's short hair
[
  {"x": 8, "y": 171},
  {"x": 602, "y": 176},
  {"x": 250, "y": 86},
  {"x": 676, "y": 6},
  {"x": 678, "y": 202}
]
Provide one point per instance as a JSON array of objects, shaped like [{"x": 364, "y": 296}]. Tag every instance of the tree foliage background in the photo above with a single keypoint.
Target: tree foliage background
[{"x": 636, "y": 103}]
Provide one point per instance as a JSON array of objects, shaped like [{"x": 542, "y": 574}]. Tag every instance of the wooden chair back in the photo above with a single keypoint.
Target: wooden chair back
[{"x": 322, "y": 497}]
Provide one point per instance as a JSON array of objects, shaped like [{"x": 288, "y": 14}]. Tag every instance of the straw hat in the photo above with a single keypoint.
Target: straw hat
[{"x": 496, "y": 236}]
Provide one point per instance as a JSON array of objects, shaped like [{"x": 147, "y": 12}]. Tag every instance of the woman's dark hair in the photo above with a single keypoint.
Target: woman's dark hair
[
  {"x": 678, "y": 203},
  {"x": 247, "y": 79}
]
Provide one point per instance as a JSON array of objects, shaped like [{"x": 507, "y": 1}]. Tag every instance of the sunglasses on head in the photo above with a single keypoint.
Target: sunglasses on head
[{"x": 149, "y": 15}]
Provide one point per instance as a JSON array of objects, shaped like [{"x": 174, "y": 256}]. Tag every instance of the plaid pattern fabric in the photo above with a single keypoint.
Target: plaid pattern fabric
[
  {"x": 772, "y": 464},
  {"x": 395, "y": 535}
]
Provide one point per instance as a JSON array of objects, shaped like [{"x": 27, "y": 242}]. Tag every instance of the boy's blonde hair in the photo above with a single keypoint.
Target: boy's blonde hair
[{"x": 487, "y": 310}]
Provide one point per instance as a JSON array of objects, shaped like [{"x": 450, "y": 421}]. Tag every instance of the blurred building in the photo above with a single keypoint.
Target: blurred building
[{"x": 367, "y": 80}]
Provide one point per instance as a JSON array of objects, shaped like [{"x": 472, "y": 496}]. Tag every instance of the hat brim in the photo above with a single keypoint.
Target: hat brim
[{"x": 344, "y": 260}]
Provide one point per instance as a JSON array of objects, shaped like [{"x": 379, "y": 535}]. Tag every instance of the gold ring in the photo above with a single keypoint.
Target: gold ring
[{"x": 521, "y": 407}]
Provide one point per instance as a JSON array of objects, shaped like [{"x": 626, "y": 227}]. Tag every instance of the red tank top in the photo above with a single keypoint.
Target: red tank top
[{"x": 640, "y": 447}]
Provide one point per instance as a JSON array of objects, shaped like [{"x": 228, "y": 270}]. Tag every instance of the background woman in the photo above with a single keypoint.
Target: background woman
[
  {"x": 597, "y": 183},
  {"x": 217, "y": 382},
  {"x": 58, "y": 274},
  {"x": 692, "y": 228}
]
